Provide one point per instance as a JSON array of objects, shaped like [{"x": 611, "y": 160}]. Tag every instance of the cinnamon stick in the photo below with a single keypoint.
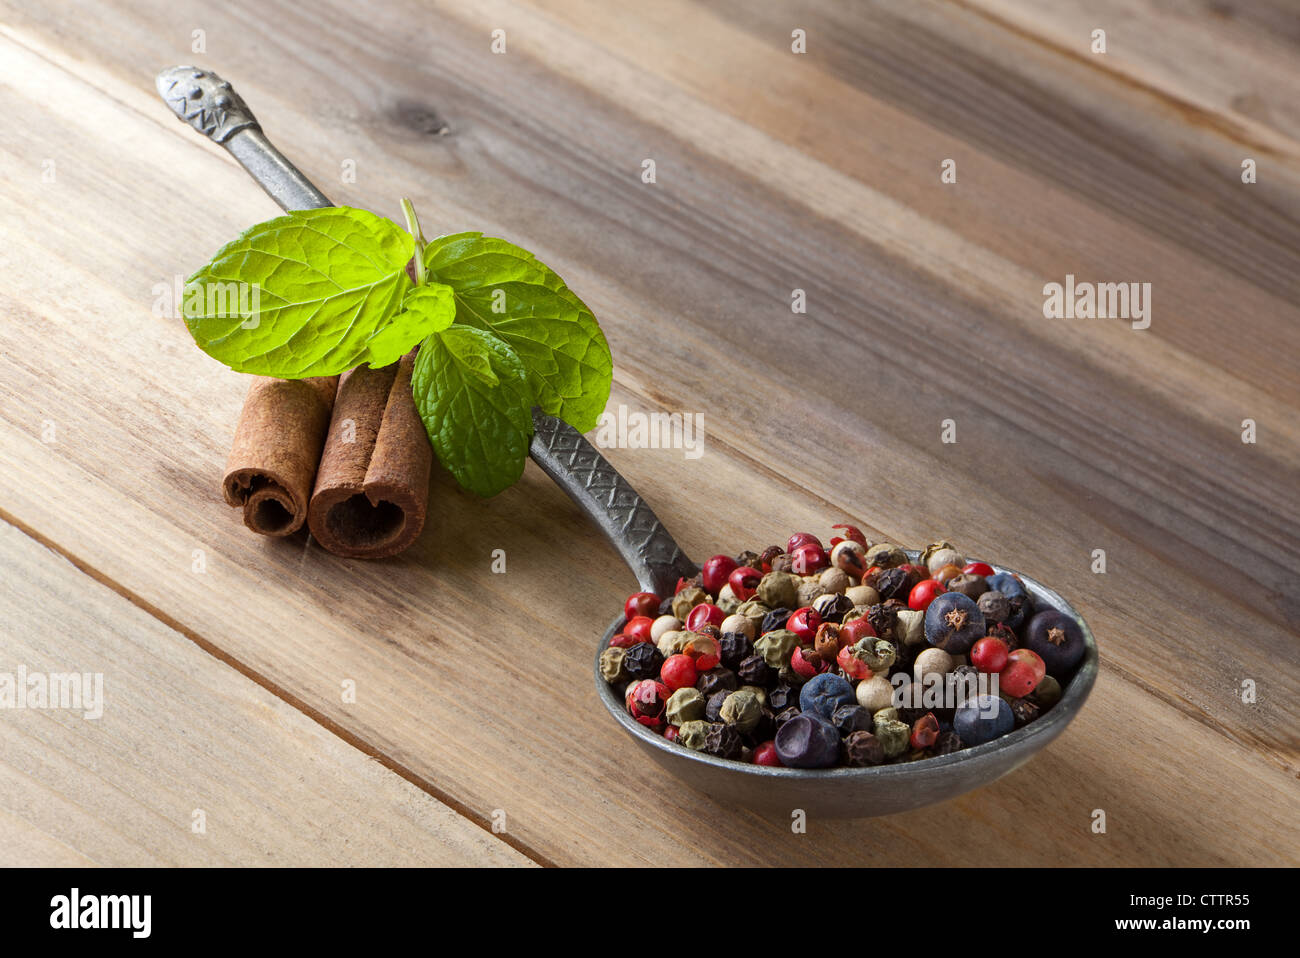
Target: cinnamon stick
[
  {"x": 372, "y": 487},
  {"x": 278, "y": 442}
]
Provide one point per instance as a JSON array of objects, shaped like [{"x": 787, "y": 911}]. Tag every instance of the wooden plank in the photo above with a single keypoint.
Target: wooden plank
[
  {"x": 545, "y": 147},
  {"x": 183, "y": 742}
]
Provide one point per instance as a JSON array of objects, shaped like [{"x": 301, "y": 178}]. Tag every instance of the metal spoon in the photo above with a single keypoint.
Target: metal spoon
[{"x": 211, "y": 106}]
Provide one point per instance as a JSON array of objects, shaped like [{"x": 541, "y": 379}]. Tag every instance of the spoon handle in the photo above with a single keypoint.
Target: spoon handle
[{"x": 210, "y": 105}]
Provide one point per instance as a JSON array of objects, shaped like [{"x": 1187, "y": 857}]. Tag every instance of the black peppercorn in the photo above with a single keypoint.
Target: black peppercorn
[
  {"x": 711, "y": 630},
  {"x": 893, "y": 584},
  {"x": 782, "y": 697},
  {"x": 764, "y": 730},
  {"x": 1000, "y": 630},
  {"x": 1024, "y": 712},
  {"x": 848, "y": 719},
  {"x": 776, "y": 619},
  {"x": 782, "y": 563},
  {"x": 716, "y": 679},
  {"x": 723, "y": 741},
  {"x": 755, "y": 671},
  {"x": 750, "y": 559},
  {"x": 883, "y": 619},
  {"x": 666, "y": 606},
  {"x": 785, "y": 715},
  {"x": 947, "y": 743},
  {"x": 862, "y": 749},
  {"x": 969, "y": 585},
  {"x": 643, "y": 661},
  {"x": 713, "y": 707},
  {"x": 833, "y": 607},
  {"x": 768, "y": 554},
  {"x": 734, "y": 647}
]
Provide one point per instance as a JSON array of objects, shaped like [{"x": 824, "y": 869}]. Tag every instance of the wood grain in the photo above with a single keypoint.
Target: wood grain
[
  {"x": 183, "y": 739},
  {"x": 775, "y": 171}
]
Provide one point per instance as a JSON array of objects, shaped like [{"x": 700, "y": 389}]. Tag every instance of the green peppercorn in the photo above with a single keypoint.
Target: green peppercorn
[
  {"x": 892, "y": 734},
  {"x": 742, "y": 709},
  {"x": 909, "y": 628},
  {"x": 776, "y": 648},
  {"x": 779, "y": 590},
  {"x": 670, "y": 643},
  {"x": 862, "y": 749},
  {"x": 886, "y": 555},
  {"x": 755, "y": 611},
  {"x": 876, "y": 654},
  {"x": 727, "y": 600},
  {"x": 693, "y": 734},
  {"x": 759, "y": 693},
  {"x": 1047, "y": 693},
  {"x": 687, "y": 599},
  {"x": 611, "y": 665},
  {"x": 684, "y": 705}
]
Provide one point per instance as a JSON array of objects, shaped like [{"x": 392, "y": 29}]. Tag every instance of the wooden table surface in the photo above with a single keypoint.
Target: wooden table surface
[{"x": 474, "y": 734}]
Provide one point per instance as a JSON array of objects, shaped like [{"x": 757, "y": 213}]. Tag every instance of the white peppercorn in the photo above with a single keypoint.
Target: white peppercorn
[
  {"x": 875, "y": 693},
  {"x": 932, "y": 660},
  {"x": 863, "y": 595},
  {"x": 665, "y": 623},
  {"x": 808, "y": 592},
  {"x": 834, "y": 580},
  {"x": 738, "y": 623},
  {"x": 942, "y": 557},
  {"x": 673, "y": 641}
]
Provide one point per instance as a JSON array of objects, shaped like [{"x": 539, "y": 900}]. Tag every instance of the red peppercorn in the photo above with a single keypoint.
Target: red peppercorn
[
  {"x": 925, "y": 731},
  {"x": 804, "y": 623},
  {"x": 646, "y": 701},
  {"x": 850, "y": 532},
  {"x": 641, "y": 603},
  {"x": 625, "y": 641},
  {"x": 802, "y": 538},
  {"x": 765, "y": 754},
  {"x": 715, "y": 573},
  {"x": 670, "y": 733},
  {"x": 923, "y": 593},
  {"x": 704, "y": 650},
  {"x": 855, "y": 630},
  {"x": 977, "y": 568},
  {"x": 678, "y": 672},
  {"x": 808, "y": 665},
  {"x": 809, "y": 558},
  {"x": 744, "y": 582},
  {"x": 989, "y": 654},
  {"x": 639, "y": 628},
  {"x": 1023, "y": 672},
  {"x": 852, "y": 666},
  {"x": 706, "y": 613}
]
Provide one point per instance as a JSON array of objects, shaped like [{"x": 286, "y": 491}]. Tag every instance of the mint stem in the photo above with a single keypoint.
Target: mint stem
[{"x": 413, "y": 227}]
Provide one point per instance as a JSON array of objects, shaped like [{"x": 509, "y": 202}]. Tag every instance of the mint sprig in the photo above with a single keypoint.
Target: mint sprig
[{"x": 499, "y": 331}]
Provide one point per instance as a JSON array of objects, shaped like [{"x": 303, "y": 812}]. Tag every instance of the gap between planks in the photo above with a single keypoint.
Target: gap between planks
[{"x": 285, "y": 696}]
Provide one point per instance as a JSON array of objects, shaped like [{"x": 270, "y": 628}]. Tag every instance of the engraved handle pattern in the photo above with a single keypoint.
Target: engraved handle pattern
[
  {"x": 611, "y": 502},
  {"x": 204, "y": 101}
]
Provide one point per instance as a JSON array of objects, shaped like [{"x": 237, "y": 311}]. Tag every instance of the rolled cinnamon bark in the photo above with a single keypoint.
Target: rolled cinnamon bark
[
  {"x": 372, "y": 487},
  {"x": 278, "y": 440}
]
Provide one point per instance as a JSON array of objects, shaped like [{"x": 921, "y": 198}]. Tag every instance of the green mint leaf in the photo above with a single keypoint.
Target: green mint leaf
[
  {"x": 425, "y": 310},
  {"x": 473, "y": 394},
  {"x": 316, "y": 286},
  {"x": 505, "y": 290}
]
